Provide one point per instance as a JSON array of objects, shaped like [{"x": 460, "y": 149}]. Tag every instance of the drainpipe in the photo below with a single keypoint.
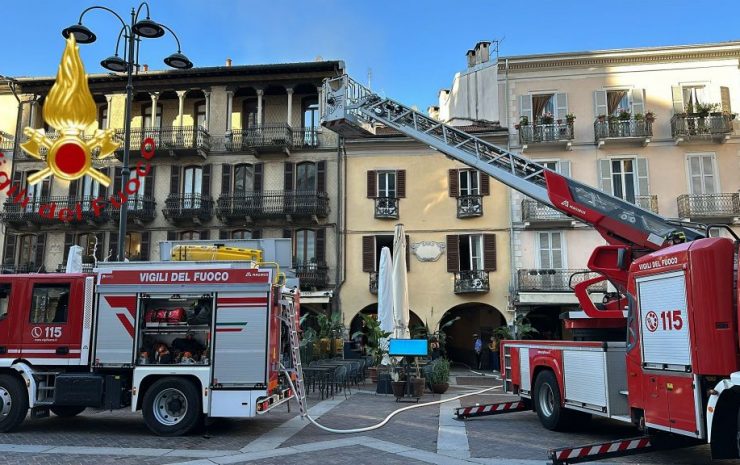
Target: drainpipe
[
  {"x": 512, "y": 258},
  {"x": 339, "y": 225}
]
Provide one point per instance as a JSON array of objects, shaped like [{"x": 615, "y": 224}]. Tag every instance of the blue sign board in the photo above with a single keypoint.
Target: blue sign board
[{"x": 408, "y": 347}]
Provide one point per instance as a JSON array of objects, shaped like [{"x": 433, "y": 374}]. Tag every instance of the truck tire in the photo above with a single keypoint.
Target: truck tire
[
  {"x": 171, "y": 407},
  {"x": 66, "y": 411},
  {"x": 547, "y": 402},
  {"x": 14, "y": 403}
]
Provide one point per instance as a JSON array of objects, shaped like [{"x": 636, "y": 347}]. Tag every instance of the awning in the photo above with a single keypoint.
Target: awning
[{"x": 318, "y": 297}]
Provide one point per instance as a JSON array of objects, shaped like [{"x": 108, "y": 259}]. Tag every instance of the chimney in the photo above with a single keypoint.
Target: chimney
[
  {"x": 471, "y": 58},
  {"x": 146, "y": 67},
  {"x": 482, "y": 52},
  {"x": 228, "y": 62}
]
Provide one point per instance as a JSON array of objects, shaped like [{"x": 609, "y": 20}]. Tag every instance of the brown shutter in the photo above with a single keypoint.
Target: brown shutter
[
  {"x": 485, "y": 183},
  {"x": 222, "y": 234},
  {"x": 204, "y": 234},
  {"x": 18, "y": 178},
  {"x": 257, "y": 234},
  {"x": 174, "y": 179},
  {"x": 171, "y": 235},
  {"x": 321, "y": 176},
  {"x": 454, "y": 191},
  {"x": 258, "y": 170},
  {"x": 40, "y": 246},
  {"x": 149, "y": 183},
  {"x": 408, "y": 254},
  {"x": 321, "y": 246},
  {"x": 69, "y": 241},
  {"x": 453, "y": 254},
  {"x": 206, "y": 183},
  {"x": 146, "y": 240},
  {"x": 368, "y": 254},
  {"x": 113, "y": 246},
  {"x": 225, "y": 179},
  {"x": 372, "y": 184},
  {"x": 288, "y": 176},
  {"x": 489, "y": 252},
  {"x": 401, "y": 184},
  {"x": 9, "y": 249}
]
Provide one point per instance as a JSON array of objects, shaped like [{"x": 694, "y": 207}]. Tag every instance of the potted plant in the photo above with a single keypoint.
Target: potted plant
[
  {"x": 624, "y": 115},
  {"x": 704, "y": 109},
  {"x": 520, "y": 329},
  {"x": 601, "y": 118},
  {"x": 570, "y": 118},
  {"x": 439, "y": 376},
  {"x": 547, "y": 118},
  {"x": 329, "y": 327},
  {"x": 524, "y": 121},
  {"x": 375, "y": 346},
  {"x": 398, "y": 382}
]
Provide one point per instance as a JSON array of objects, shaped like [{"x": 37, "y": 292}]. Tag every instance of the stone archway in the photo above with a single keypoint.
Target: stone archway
[{"x": 473, "y": 318}]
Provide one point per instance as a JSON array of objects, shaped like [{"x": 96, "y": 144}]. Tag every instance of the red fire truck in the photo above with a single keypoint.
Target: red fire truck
[
  {"x": 179, "y": 341},
  {"x": 676, "y": 368}
]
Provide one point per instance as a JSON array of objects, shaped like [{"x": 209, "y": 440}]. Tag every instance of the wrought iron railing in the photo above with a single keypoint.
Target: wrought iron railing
[
  {"x": 555, "y": 280},
  {"x": 648, "y": 202},
  {"x": 534, "y": 211},
  {"x": 38, "y": 210},
  {"x": 312, "y": 275},
  {"x": 622, "y": 128},
  {"x": 271, "y": 204},
  {"x": 386, "y": 208},
  {"x": 169, "y": 138},
  {"x": 6, "y": 144},
  {"x": 84, "y": 209},
  {"x": 11, "y": 268},
  {"x": 188, "y": 207},
  {"x": 469, "y": 206},
  {"x": 140, "y": 208},
  {"x": 709, "y": 205},
  {"x": 471, "y": 281},
  {"x": 543, "y": 133},
  {"x": 693, "y": 125},
  {"x": 373, "y": 282},
  {"x": 270, "y": 136},
  {"x": 86, "y": 267}
]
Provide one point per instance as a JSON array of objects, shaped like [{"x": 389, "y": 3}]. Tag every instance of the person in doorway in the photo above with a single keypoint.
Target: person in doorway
[
  {"x": 494, "y": 354},
  {"x": 478, "y": 348}
]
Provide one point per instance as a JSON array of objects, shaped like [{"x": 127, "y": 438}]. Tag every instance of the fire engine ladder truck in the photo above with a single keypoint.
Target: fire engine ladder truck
[
  {"x": 354, "y": 111},
  {"x": 289, "y": 316}
]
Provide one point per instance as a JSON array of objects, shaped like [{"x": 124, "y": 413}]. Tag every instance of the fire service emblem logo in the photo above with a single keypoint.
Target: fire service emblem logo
[{"x": 70, "y": 109}]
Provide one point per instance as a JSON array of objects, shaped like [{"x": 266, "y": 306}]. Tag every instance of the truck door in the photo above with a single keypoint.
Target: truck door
[
  {"x": 52, "y": 321},
  {"x": 9, "y": 348}
]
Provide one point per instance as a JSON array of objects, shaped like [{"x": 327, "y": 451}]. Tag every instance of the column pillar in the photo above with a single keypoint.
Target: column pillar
[
  {"x": 181, "y": 106},
  {"x": 290, "y": 105},
  {"x": 207, "y": 93},
  {"x": 229, "y": 109},
  {"x": 260, "y": 93},
  {"x": 32, "y": 113},
  {"x": 108, "y": 112},
  {"x": 155, "y": 99}
]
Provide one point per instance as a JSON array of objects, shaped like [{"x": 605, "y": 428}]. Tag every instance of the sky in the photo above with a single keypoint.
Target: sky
[{"x": 410, "y": 49}]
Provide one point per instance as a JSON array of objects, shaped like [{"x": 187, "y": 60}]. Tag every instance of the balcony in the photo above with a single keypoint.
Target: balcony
[
  {"x": 546, "y": 134},
  {"x": 141, "y": 209},
  {"x": 386, "y": 208},
  {"x": 471, "y": 282},
  {"x": 469, "y": 206},
  {"x": 647, "y": 202},
  {"x": 36, "y": 212},
  {"x": 196, "y": 208},
  {"x": 622, "y": 131},
  {"x": 373, "y": 282},
  {"x": 172, "y": 140},
  {"x": 270, "y": 138},
  {"x": 708, "y": 207},
  {"x": 267, "y": 205},
  {"x": 22, "y": 268},
  {"x": 85, "y": 209},
  {"x": 313, "y": 138},
  {"x": 690, "y": 126},
  {"x": 312, "y": 276},
  {"x": 553, "y": 280},
  {"x": 535, "y": 214},
  {"x": 6, "y": 144}
]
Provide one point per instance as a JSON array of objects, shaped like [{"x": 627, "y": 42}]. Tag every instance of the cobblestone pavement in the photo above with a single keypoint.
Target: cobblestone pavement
[{"x": 415, "y": 437}]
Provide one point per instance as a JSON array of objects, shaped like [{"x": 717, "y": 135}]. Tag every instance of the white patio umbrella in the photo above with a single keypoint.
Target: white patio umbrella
[
  {"x": 400, "y": 284},
  {"x": 385, "y": 296}
]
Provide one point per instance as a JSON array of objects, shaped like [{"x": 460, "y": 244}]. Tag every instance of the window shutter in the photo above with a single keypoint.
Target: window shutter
[
  {"x": 564, "y": 167},
  {"x": 643, "y": 185},
  {"x": 321, "y": 176},
  {"x": 256, "y": 234},
  {"x": 206, "y": 182},
  {"x": 401, "y": 184},
  {"x": 485, "y": 183},
  {"x": 146, "y": 240},
  {"x": 40, "y": 246},
  {"x": 174, "y": 179},
  {"x": 638, "y": 101},
  {"x": 525, "y": 106},
  {"x": 225, "y": 179},
  {"x": 117, "y": 174},
  {"x": 258, "y": 170},
  {"x": 489, "y": 252},
  {"x": 453, "y": 254},
  {"x": 9, "y": 249},
  {"x": 600, "y": 105},
  {"x": 112, "y": 246},
  {"x": 69, "y": 241},
  {"x": 368, "y": 254},
  {"x": 408, "y": 254},
  {"x": 149, "y": 183},
  {"x": 288, "y": 177},
  {"x": 222, "y": 234},
  {"x": 561, "y": 105},
  {"x": 453, "y": 183},
  {"x": 372, "y": 184},
  {"x": 321, "y": 246},
  {"x": 678, "y": 105},
  {"x": 724, "y": 93},
  {"x": 287, "y": 234},
  {"x": 605, "y": 175},
  {"x": 171, "y": 235}
]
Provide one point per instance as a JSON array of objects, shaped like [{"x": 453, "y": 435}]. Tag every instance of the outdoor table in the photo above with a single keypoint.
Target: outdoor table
[{"x": 324, "y": 375}]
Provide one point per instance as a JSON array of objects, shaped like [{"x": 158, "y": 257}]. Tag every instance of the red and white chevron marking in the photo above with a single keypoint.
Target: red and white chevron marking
[
  {"x": 488, "y": 408},
  {"x": 600, "y": 449}
]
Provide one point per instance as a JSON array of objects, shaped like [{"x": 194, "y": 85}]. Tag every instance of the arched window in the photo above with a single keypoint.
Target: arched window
[
  {"x": 305, "y": 247},
  {"x": 305, "y": 176}
]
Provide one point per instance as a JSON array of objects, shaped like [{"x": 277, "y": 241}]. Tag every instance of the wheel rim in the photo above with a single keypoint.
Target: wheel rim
[
  {"x": 7, "y": 401},
  {"x": 547, "y": 400},
  {"x": 170, "y": 406}
]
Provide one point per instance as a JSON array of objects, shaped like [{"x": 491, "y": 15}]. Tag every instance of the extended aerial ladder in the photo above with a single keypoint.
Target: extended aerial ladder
[{"x": 352, "y": 110}]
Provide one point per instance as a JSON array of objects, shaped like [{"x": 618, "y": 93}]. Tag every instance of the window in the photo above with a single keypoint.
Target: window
[
  {"x": 33, "y": 193},
  {"x": 132, "y": 248},
  {"x": 103, "y": 117},
  {"x": 471, "y": 252},
  {"x": 192, "y": 186},
  {"x": 4, "y": 299},
  {"x": 147, "y": 120},
  {"x": 305, "y": 246},
  {"x": 243, "y": 179},
  {"x": 702, "y": 178},
  {"x": 550, "y": 246},
  {"x": 241, "y": 234},
  {"x": 311, "y": 112},
  {"x": 27, "y": 249},
  {"x": 200, "y": 114},
  {"x": 49, "y": 303},
  {"x": 387, "y": 184},
  {"x": 90, "y": 246},
  {"x": 189, "y": 236},
  {"x": 623, "y": 179},
  {"x": 693, "y": 95},
  {"x": 249, "y": 113},
  {"x": 469, "y": 182},
  {"x": 305, "y": 177}
]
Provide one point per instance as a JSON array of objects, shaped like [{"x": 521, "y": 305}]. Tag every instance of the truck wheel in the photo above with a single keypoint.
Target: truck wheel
[
  {"x": 547, "y": 402},
  {"x": 171, "y": 407},
  {"x": 66, "y": 411},
  {"x": 14, "y": 400}
]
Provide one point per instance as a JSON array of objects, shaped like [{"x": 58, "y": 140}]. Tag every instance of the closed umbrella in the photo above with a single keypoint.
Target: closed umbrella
[
  {"x": 385, "y": 296},
  {"x": 400, "y": 284}
]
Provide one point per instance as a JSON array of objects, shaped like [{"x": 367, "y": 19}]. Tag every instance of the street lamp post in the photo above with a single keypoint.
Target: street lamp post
[{"x": 142, "y": 28}]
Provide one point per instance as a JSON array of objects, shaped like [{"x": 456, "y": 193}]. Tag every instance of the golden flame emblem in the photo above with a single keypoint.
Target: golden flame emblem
[{"x": 69, "y": 109}]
